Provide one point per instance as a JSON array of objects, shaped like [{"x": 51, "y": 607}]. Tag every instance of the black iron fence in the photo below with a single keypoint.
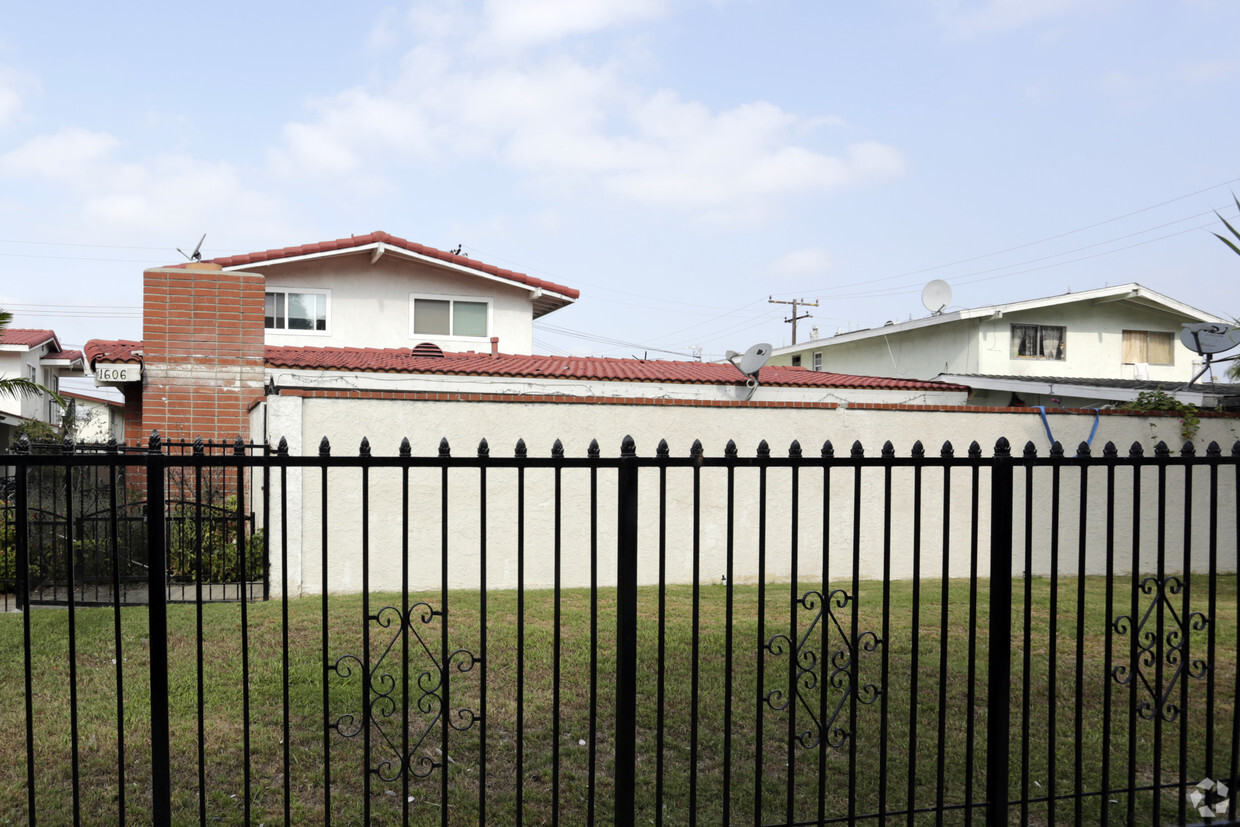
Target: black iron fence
[
  {"x": 86, "y": 528},
  {"x": 794, "y": 639}
]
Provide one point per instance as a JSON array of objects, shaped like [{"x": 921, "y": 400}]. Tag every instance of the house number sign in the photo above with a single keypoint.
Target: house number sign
[{"x": 118, "y": 373}]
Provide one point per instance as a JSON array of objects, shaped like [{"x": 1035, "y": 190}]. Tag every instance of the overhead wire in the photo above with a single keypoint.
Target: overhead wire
[{"x": 1055, "y": 237}]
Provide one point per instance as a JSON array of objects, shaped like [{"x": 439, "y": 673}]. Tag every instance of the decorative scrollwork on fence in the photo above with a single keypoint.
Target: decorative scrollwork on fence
[
  {"x": 382, "y": 709},
  {"x": 838, "y": 669},
  {"x": 1161, "y": 638}
]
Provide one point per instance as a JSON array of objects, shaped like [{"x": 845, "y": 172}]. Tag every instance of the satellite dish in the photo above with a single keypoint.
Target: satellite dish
[
  {"x": 197, "y": 254},
  {"x": 1210, "y": 337},
  {"x": 753, "y": 359},
  {"x": 936, "y": 295}
]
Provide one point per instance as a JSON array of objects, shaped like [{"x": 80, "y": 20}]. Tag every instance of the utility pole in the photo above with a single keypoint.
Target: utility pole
[{"x": 795, "y": 304}]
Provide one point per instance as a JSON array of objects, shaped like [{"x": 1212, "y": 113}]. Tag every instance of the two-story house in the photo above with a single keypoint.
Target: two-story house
[
  {"x": 1093, "y": 348},
  {"x": 35, "y": 355}
]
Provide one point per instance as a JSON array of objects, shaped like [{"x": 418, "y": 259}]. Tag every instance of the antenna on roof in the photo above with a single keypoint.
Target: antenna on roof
[
  {"x": 197, "y": 254},
  {"x": 750, "y": 362},
  {"x": 936, "y": 295}
]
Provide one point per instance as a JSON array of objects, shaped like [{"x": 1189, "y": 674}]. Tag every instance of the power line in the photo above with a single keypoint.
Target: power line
[{"x": 1054, "y": 237}]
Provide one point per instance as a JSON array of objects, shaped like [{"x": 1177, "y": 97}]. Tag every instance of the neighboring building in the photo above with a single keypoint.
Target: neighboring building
[
  {"x": 35, "y": 355},
  {"x": 1094, "y": 348},
  {"x": 96, "y": 420},
  {"x": 377, "y": 290},
  {"x": 378, "y": 318}
]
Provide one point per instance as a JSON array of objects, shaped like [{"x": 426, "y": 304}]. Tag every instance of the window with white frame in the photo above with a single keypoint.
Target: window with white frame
[
  {"x": 297, "y": 311},
  {"x": 1039, "y": 341},
  {"x": 818, "y": 360},
  {"x": 54, "y": 412},
  {"x": 459, "y": 317},
  {"x": 1148, "y": 346}
]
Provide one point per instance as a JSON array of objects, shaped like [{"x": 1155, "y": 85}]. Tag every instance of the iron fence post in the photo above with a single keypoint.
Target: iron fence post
[
  {"x": 21, "y": 526},
  {"x": 23, "y": 602},
  {"x": 161, "y": 771},
  {"x": 999, "y": 659},
  {"x": 626, "y": 635}
]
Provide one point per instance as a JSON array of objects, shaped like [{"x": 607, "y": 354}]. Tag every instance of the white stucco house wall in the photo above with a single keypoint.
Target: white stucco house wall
[
  {"x": 1087, "y": 349},
  {"x": 381, "y": 291},
  {"x": 96, "y": 420},
  {"x": 36, "y": 355}
]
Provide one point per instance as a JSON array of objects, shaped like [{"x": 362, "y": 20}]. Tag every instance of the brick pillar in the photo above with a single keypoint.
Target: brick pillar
[
  {"x": 133, "y": 414},
  {"x": 202, "y": 351}
]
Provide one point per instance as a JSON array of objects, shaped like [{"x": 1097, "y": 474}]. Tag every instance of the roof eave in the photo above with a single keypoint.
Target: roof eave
[{"x": 384, "y": 248}]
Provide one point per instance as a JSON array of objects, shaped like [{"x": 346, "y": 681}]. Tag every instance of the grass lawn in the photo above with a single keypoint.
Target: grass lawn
[{"x": 705, "y": 744}]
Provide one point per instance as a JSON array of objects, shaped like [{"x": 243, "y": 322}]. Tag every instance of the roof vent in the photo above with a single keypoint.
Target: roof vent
[{"x": 428, "y": 349}]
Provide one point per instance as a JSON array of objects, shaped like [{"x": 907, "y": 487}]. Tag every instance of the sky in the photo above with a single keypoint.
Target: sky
[{"x": 680, "y": 162}]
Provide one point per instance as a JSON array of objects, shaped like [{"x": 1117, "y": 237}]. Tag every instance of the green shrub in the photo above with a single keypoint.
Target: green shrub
[{"x": 1156, "y": 400}]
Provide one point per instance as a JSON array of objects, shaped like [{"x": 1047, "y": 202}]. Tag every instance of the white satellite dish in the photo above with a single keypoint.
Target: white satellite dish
[
  {"x": 750, "y": 362},
  {"x": 936, "y": 295},
  {"x": 1209, "y": 337},
  {"x": 753, "y": 359}
]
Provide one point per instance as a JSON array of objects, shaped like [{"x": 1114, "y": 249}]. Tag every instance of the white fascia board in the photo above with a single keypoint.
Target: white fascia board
[
  {"x": 1119, "y": 292},
  {"x": 987, "y": 383},
  {"x": 380, "y": 248},
  {"x": 1063, "y": 388},
  {"x": 60, "y": 363}
]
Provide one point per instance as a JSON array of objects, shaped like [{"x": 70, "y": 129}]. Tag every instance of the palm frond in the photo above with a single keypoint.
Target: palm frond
[
  {"x": 24, "y": 388},
  {"x": 1232, "y": 244}
]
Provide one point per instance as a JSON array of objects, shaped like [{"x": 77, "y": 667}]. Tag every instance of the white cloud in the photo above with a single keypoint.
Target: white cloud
[
  {"x": 14, "y": 87},
  {"x": 173, "y": 192},
  {"x": 535, "y": 22},
  {"x": 565, "y": 124},
  {"x": 67, "y": 155},
  {"x": 166, "y": 193}
]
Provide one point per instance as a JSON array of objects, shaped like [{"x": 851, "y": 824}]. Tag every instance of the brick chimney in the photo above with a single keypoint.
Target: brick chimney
[{"x": 202, "y": 352}]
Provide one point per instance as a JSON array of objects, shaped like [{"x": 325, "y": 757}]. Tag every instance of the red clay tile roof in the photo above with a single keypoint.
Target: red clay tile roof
[
  {"x": 395, "y": 241},
  {"x": 120, "y": 351},
  {"x": 26, "y": 336},
  {"x": 403, "y": 360}
]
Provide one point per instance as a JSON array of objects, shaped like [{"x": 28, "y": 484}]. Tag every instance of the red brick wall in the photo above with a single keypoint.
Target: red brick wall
[
  {"x": 133, "y": 414},
  {"x": 202, "y": 343}
]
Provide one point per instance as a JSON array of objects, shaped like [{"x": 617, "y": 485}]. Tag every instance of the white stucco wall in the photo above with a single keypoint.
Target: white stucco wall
[
  {"x": 916, "y": 354},
  {"x": 96, "y": 421},
  {"x": 1094, "y": 342},
  {"x": 385, "y": 423},
  {"x": 370, "y": 303},
  {"x": 16, "y": 363}
]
